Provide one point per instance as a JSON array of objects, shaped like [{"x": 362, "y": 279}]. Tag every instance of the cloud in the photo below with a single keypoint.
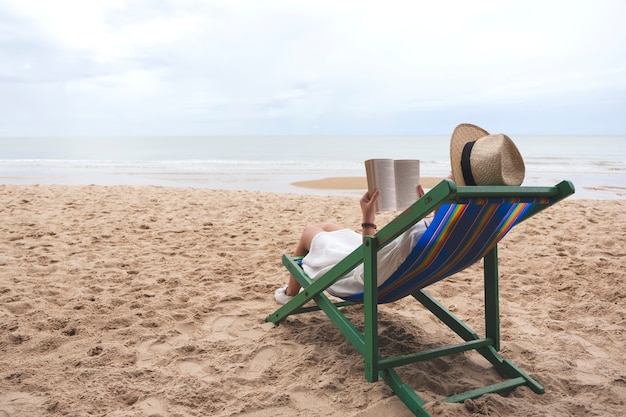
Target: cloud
[{"x": 182, "y": 67}]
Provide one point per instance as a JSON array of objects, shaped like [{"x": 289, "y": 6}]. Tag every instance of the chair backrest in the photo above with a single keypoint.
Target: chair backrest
[{"x": 460, "y": 234}]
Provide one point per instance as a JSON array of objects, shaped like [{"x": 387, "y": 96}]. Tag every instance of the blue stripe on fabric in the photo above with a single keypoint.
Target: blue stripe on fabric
[{"x": 482, "y": 224}]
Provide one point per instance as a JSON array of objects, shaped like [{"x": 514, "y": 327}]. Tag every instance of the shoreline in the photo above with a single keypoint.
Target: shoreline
[
  {"x": 359, "y": 184},
  {"x": 596, "y": 187}
]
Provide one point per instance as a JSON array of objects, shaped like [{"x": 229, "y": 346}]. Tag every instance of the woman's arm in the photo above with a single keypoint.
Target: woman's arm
[{"x": 368, "y": 208}]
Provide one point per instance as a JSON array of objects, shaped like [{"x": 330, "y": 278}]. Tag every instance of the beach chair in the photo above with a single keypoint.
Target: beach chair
[{"x": 468, "y": 224}]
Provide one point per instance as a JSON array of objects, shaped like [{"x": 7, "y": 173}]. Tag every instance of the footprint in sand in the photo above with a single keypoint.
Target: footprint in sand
[
  {"x": 188, "y": 329},
  {"x": 261, "y": 360},
  {"x": 151, "y": 351},
  {"x": 153, "y": 406},
  {"x": 232, "y": 327},
  {"x": 305, "y": 402},
  {"x": 18, "y": 307},
  {"x": 194, "y": 368},
  {"x": 274, "y": 412},
  {"x": 20, "y": 404}
]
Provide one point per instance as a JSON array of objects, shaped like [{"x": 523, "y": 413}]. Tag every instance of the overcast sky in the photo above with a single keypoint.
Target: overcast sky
[{"x": 270, "y": 67}]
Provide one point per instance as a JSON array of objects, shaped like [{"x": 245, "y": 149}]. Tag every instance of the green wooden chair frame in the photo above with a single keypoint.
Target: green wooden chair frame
[{"x": 366, "y": 342}]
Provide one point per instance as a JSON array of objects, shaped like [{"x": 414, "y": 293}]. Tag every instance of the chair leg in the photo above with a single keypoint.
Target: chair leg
[
  {"x": 370, "y": 300},
  {"x": 404, "y": 392},
  {"x": 492, "y": 299}
]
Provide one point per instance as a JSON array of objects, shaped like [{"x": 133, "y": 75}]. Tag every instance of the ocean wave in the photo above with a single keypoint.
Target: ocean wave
[{"x": 545, "y": 164}]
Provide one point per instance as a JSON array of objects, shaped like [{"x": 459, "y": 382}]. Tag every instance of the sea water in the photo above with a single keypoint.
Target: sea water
[{"x": 596, "y": 165}]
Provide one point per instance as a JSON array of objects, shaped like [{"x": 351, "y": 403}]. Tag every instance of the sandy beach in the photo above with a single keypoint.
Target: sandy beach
[{"x": 150, "y": 301}]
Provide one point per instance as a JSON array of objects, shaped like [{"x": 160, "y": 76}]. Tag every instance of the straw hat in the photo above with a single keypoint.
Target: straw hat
[{"x": 479, "y": 158}]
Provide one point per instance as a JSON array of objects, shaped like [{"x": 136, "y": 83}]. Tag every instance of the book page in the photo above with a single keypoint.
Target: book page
[
  {"x": 407, "y": 177},
  {"x": 380, "y": 174}
]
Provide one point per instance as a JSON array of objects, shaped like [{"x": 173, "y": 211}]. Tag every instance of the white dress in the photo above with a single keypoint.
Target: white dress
[{"x": 328, "y": 248}]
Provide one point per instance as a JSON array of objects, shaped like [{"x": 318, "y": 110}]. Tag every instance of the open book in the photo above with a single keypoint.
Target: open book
[{"x": 397, "y": 180}]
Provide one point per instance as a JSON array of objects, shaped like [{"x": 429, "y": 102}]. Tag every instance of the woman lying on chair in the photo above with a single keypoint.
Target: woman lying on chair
[
  {"x": 324, "y": 246},
  {"x": 477, "y": 159}
]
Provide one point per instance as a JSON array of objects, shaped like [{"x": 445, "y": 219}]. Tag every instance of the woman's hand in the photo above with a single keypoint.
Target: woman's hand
[{"x": 368, "y": 206}]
